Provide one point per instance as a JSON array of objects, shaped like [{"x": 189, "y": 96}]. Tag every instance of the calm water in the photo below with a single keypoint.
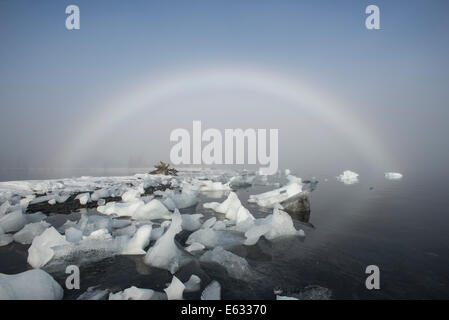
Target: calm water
[{"x": 400, "y": 226}]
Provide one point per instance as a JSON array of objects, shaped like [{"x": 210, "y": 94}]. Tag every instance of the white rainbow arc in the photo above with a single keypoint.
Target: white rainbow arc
[{"x": 156, "y": 90}]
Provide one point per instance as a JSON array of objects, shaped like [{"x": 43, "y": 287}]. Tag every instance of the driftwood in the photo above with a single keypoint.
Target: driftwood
[{"x": 164, "y": 169}]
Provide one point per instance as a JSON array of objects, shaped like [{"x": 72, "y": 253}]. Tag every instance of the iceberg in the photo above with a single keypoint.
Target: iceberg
[
  {"x": 348, "y": 177},
  {"x": 139, "y": 241},
  {"x": 278, "y": 224},
  {"x": 232, "y": 208},
  {"x": 175, "y": 290},
  {"x": 165, "y": 254},
  {"x": 270, "y": 198},
  {"x": 393, "y": 176},
  {"x": 41, "y": 250},
  {"x": 30, "y": 285}
]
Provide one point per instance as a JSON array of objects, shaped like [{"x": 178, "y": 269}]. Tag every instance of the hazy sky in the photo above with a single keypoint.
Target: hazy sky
[{"x": 56, "y": 85}]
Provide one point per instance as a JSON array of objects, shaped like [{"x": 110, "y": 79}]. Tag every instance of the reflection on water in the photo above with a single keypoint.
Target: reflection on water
[{"x": 400, "y": 226}]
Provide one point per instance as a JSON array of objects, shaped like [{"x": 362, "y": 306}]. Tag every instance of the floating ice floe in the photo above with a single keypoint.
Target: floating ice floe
[
  {"x": 393, "y": 175},
  {"x": 212, "y": 291},
  {"x": 237, "y": 267},
  {"x": 165, "y": 254},
  {"x": 270, "y": 198},
  {"x": 29, "y": 285},
  {"x": 348, "y": 177}
]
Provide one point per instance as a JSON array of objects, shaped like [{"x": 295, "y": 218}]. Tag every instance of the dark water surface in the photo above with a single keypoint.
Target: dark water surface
[{"x": 400, "y": 226}]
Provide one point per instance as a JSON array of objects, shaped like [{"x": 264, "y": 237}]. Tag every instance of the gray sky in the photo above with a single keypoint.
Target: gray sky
[{"x": 60, "y": 89}]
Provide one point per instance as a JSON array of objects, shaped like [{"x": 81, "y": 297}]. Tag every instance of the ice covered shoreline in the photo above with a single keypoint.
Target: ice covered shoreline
[{"x": 139, "y": 215}]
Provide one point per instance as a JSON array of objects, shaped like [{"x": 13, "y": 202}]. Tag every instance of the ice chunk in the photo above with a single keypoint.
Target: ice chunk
[
  {"x": 175, "y": 290},
  {"x": 191, "y": 222},
  {"x": 5, "y": 239},
  {"x": 237, "y": 267},
  {"x": 212, "y": 291},
  {"x": 187, "y": 198},
  {"x": 101, "y": 193},
  {"x": 348, "y": 177},
  {"x": 131, "y": 195},
  {"x": 13, "y": 221},
  {"x": 213, "y": 238},
  {"x": 30, "y": 231},
  {"x": 84, "y": 198},
  {"x": 193, "y": 284},
  {"x": 196, "y": 246},
  {"x": 137, "y": 210},
  {"x": 165, "y": 254},
  {"x": 270, "y": 198},
  {"x": 73, "y": 235},
  {"x": 135, "y": 293},
  {"x": 29, "y": 285},
  {"x": 208, "y": 185},
  {"x": 278, "y": 224},
  {"x": 139, "y": 242},
  {"x": 52, "y": 202},
  {"x": 232, "y": 208},
  {"x": 285, "y": 298},
  {"x": 41, "y": 250},
  {"x": 393, "y": 175}
]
